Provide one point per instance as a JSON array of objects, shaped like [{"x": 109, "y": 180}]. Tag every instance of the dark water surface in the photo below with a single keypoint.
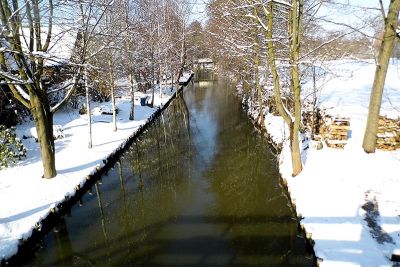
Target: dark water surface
[{"x": 200, "y": 188}]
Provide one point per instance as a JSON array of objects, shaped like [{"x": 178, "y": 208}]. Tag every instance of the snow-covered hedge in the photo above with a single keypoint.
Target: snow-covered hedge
[{"x": 11, "y": 147}]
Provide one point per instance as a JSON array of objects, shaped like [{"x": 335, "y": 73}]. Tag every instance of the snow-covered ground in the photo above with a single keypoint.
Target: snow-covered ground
[
  {"x": 26, "y": 198},
  {"x": 337, "y": 186}
]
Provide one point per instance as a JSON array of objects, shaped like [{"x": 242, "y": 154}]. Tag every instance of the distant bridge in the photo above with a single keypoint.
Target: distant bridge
[
  {"x": 203, "y": 63},
  {"x": 204, "y": 69}
]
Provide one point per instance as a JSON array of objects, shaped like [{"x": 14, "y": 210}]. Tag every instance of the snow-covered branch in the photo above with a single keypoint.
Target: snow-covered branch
[{"x": 68, "y": 95}]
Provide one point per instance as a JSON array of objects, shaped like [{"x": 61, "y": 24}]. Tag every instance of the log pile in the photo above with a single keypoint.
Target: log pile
[
  {"x": 335, "y": 131},
  {"x": 332, "y": 130},
  {"x": 313, "y": 123},
  {"x": 388, "y": 136}
]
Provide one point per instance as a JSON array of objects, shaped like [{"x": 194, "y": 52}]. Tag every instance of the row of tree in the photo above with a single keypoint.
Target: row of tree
[
  {"x": 271, "y": 46},
  {"x": 96, "y": 42}
]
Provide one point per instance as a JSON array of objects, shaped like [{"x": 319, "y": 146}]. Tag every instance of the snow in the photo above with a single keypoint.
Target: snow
[
  {"x": 27, "y": 198},
  {"x": 22, "y": 92},
  {"x": 185, "y": 77},
  {"x": 58, "y": 132},
  {"x": 335, "y": 183},
  {"x": 359, "y": 77},
  {"x": 61, "y": 45},
  {"x": 103, "y": 110}
]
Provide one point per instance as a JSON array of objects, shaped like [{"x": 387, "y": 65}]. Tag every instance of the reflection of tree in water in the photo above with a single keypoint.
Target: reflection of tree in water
[
  {"x": 136, "y": 200},
  {"x": 103, "y": 221},
  {"x": 162, "y": 151},
  {"x": 64, "y": 254},
  {"x": 125, "y": 217},
  {"x": 150, "y": 174},
  {"x": 139, "y": 211},
  {"x": 245, "y": 183}
]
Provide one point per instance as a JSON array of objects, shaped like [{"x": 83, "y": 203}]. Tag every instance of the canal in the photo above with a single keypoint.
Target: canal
[{"x": 199, "y": 188}]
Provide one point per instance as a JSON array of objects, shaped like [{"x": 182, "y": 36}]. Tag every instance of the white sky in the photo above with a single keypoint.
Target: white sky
[
  {"x": 354, "y": 15},
  {"x": 199, "y": 10}
]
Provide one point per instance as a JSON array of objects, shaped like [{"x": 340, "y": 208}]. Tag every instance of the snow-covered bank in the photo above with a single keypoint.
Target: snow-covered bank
[
  {"x": 26, "y": 198},
  {"x": 349, "y": 199}
]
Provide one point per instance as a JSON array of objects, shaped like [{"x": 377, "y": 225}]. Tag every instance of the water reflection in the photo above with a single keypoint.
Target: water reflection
[{"x": 199, "y": 188}]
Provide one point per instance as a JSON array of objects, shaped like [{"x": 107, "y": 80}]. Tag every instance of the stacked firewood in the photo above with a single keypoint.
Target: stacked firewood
[
  {"x": 332, "y": 130},
  {"x": 335, "y": 131},
  {"x": 388, "y": 136},
  {"x": 314, "y": 123}
]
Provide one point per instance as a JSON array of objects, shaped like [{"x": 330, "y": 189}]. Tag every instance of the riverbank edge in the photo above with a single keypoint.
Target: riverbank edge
[
  {"x": 309, "y": 242},
  {"x": 46, "y": 224}
]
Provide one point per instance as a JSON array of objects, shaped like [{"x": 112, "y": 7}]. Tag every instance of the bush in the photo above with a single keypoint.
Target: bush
[
  {"x": 11, "y": 112},
  {"x": 11, "y": 147}
]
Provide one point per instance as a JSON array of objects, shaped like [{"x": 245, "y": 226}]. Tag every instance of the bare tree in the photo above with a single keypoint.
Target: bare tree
[
  {"x": 295, "y": 11},
  {"x": 385, "y": 52},
  {"x": 91, "y": 15},
  {"x": 26, "y": 36},
  {"x": 260, "y": 32}
]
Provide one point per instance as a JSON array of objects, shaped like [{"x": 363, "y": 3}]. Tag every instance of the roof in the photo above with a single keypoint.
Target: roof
[
  {"x": 61, "y": 46},
  {"x": 204, "y": 60}
]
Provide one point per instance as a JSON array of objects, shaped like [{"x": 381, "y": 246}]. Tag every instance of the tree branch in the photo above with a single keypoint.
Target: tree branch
[{"x": 76, "y": 79}]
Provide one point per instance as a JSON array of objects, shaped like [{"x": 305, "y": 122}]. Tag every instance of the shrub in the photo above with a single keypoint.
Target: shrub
[{"x": 11, "y": 147}]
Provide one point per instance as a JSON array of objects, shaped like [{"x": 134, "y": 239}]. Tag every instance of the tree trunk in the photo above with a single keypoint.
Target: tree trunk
[
  {"x": 259, "y": 91},
  {"x": 293, "y": 122},
  {"x": 182, "y": 60},
  {"x": 314, "y": 104},
  {"x": 283, "y": 112},
  {"x": 369, "y": 143},
  {"x": 296, "y": 33},
  {"x": 297, "y": 165},
  {"x": 152, "y": 83},
  {"x": 114, "y": 109},
  {"x": 172, "y": 78},
  {"x": 90, "y": 144},
  {"x": 40, "y": 109},
  {"x": 257, "y": 78},
  {"x": 132, "y": 112},
  {"x": 160, "y": 81},
  {"x": 152, "y": 96}
]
